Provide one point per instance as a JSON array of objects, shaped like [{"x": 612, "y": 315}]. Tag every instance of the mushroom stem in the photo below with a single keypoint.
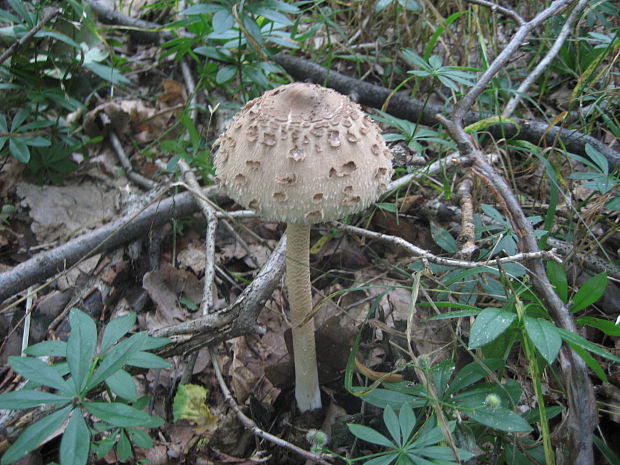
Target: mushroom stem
[{"x": 307, "y": 391}]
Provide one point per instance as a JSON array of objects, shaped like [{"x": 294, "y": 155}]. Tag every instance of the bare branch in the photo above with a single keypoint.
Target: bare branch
[
  {"x": 425, "y": 254},
  {"x": 548, "y": 58},
  {"x": 502, "y": 9},
  {"x": 466, "y": 103}
]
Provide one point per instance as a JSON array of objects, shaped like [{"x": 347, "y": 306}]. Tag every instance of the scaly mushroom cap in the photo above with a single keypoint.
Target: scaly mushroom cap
[{"x": 303, "y": 153}]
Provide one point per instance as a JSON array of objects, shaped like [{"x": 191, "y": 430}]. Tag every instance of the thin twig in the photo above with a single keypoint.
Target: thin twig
[
  {"x": 544, "y": 63},
  {"x": 467, "y": 102},
  {"x": 502, "y": 9},
  {"x": 425, "y": 254},
  {"x": 251, "y": 425},
  {"x": 140, "y": 180},
  {"x": 48, "y": 14}
]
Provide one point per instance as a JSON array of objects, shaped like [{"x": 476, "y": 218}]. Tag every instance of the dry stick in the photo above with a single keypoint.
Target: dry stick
[
  {"x": 206, "y": 305},
  {"x": 48, "y": 14},
  {"x": 425, "y": 254},
  {"x": 235, "y": 320},
  {"x": 402, "y": 106},
  {"x": 465, "y": 105},
  {"x": 109, "y": 236},
  {"x": 502, "y": 9},
  {"x": 251, "y": 425},
  {"x": 542, "y": 65},
  {"x": 467, "y": 237},
  {"x": 140, "y": 180}
]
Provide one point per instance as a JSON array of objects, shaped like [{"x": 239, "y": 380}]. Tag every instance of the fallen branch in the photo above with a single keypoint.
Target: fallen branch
[
  {"x": 405, "y": 107},
  {"x": 112, "y": 235},
  {"x": 238, "y": 319}
]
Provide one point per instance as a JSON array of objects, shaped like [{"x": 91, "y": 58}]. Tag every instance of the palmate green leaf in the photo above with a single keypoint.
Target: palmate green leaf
[
  {"x": 122, "y": 384},
  {"x": 123, "y": 447},
  {"x": 40, "y": 372},
  {"x": 29, "y": 398},
  {"x": 384, "y": 459},
  {"x": 392, "y": 424},
  {"x": 407, "y": 421},
  {"x": 122, "y": 415},
  {"x": 33, "y": 436},
  {"x": 589, "y": 292},
  {"x": 370, "y": 435},
  {"x": 116, "y": 329},
  {"x": 19, "y": 150},
  {"x": 81, "y": 347},
  {"x": 117, "y": 357},
  {"x": 500, "y": 418},
  {"x": 545, "y": 337},
  {"x": 489, "y": 324},
  {"x": 48, "y": 348},
  {"x": 75, "y": 442}
]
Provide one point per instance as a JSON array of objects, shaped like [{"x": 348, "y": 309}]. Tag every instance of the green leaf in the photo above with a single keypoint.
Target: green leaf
[
  {"x": 443, "y": 238},
  {"x": 48, "y": 348},
  {"x": 579, "y": 341},
  {"x": 225, "y": 74},
  {"x": 557, "y": 276},
  {"x": 108, "y": 73},
  {"x": 500, "y": 418},
  {"x": 19, "y": 118},
  {"x": 589, "y": 292},
  {"x": 472, "y": 373},
  {"x": 39, "y": 372},
  {"x": 141, "y": 438},
  {"x": 122, "y": 415},
  {"x": 391, "y": 422},
  {"x": 407, "y": 421},
  {"x": 147, "y": 360},
  {"x": 489, "y": 324},
  {"x": 544, "y": 336},
  {"x": 33, "y": 436},
  {"x": 116, "y": 358},
  {"x": 19, "y": 150},
  {"x": 370, "y": 435},
  {"x": 81, "y": 347},
  {"x": 123, "y": 447},
  {"x": 122, "y": 384},
  {"x": 606, "y": 326},
  {"x": 116, "y": 329},
  {"x": 75, "y": 443},
  {"x": 430, "y": 434},
  {"x": 29, "y": 398},
  {"x": 591, "y": 362}
]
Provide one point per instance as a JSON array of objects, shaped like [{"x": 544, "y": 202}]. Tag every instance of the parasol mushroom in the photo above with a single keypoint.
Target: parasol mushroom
[{"x": 302, "y": 154}]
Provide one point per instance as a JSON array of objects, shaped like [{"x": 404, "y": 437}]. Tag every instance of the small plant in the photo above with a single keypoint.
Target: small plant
[
  {"x": 404, "y": 447},
  {"x": 70, "y": 387}
]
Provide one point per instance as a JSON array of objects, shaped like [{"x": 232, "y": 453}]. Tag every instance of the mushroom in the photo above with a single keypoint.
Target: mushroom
[{"x": 302, "y": 154}]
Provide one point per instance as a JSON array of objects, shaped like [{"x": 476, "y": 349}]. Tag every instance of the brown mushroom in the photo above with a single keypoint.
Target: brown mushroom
[{"x": 303, "y": 154}]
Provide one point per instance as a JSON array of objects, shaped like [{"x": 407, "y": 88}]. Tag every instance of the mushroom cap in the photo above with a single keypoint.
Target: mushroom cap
[{"x": 302, "y": 153}]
